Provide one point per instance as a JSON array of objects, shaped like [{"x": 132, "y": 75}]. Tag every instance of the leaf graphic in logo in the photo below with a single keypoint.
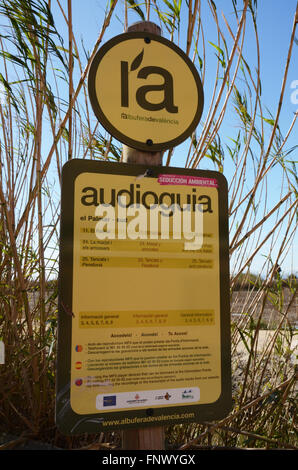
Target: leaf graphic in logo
[{"x": 137, "y": 61}]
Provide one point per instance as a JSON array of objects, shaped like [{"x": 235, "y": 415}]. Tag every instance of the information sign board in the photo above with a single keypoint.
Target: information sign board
[{"x": 144, "y": 321}]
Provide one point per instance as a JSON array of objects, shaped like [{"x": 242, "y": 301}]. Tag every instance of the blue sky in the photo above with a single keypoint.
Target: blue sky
[{"x": 274, "y": 20}]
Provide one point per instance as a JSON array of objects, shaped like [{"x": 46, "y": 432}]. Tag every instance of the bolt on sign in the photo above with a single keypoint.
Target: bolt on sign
[
  {"x": 144, "y": 322},
  {"x": 145, "y": 91}
]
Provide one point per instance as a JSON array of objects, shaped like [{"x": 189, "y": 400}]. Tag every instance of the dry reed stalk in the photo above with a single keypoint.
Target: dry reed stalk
[{"x": 205, "y": 134}]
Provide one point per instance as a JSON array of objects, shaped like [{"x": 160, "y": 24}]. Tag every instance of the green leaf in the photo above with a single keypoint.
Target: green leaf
[
  {"x": 136, "y": 8},
  {"x": 175, "y": 7},
  {"x": 217, "y": 48},
  {"x": 244, "y": 340},
  {"x": 269, "y": 121}
]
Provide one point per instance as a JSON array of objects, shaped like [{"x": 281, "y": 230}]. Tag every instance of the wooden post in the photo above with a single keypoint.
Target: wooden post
[{"x": 150, "y": 438}]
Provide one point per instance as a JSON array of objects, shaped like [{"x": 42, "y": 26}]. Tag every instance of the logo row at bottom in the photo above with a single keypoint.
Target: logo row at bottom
[{"x": 148, "y": 398}]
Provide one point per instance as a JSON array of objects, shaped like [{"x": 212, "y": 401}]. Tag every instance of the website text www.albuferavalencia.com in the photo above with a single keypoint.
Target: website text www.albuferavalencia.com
[{"x": 148, "y": 419}]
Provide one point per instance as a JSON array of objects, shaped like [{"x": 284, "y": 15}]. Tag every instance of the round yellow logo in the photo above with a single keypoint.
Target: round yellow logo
[{"x": 145, "y": 91}]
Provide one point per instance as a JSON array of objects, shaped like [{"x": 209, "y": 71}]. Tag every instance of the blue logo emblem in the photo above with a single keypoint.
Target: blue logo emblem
[{"x": 109, "y": 401}]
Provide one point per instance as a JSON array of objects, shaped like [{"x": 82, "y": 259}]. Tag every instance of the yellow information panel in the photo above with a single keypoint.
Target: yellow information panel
[{"x": 146, "y": 297}]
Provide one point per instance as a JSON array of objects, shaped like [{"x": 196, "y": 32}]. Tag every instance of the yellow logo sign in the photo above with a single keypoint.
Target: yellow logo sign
[{"x": 145, "y": 91}]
